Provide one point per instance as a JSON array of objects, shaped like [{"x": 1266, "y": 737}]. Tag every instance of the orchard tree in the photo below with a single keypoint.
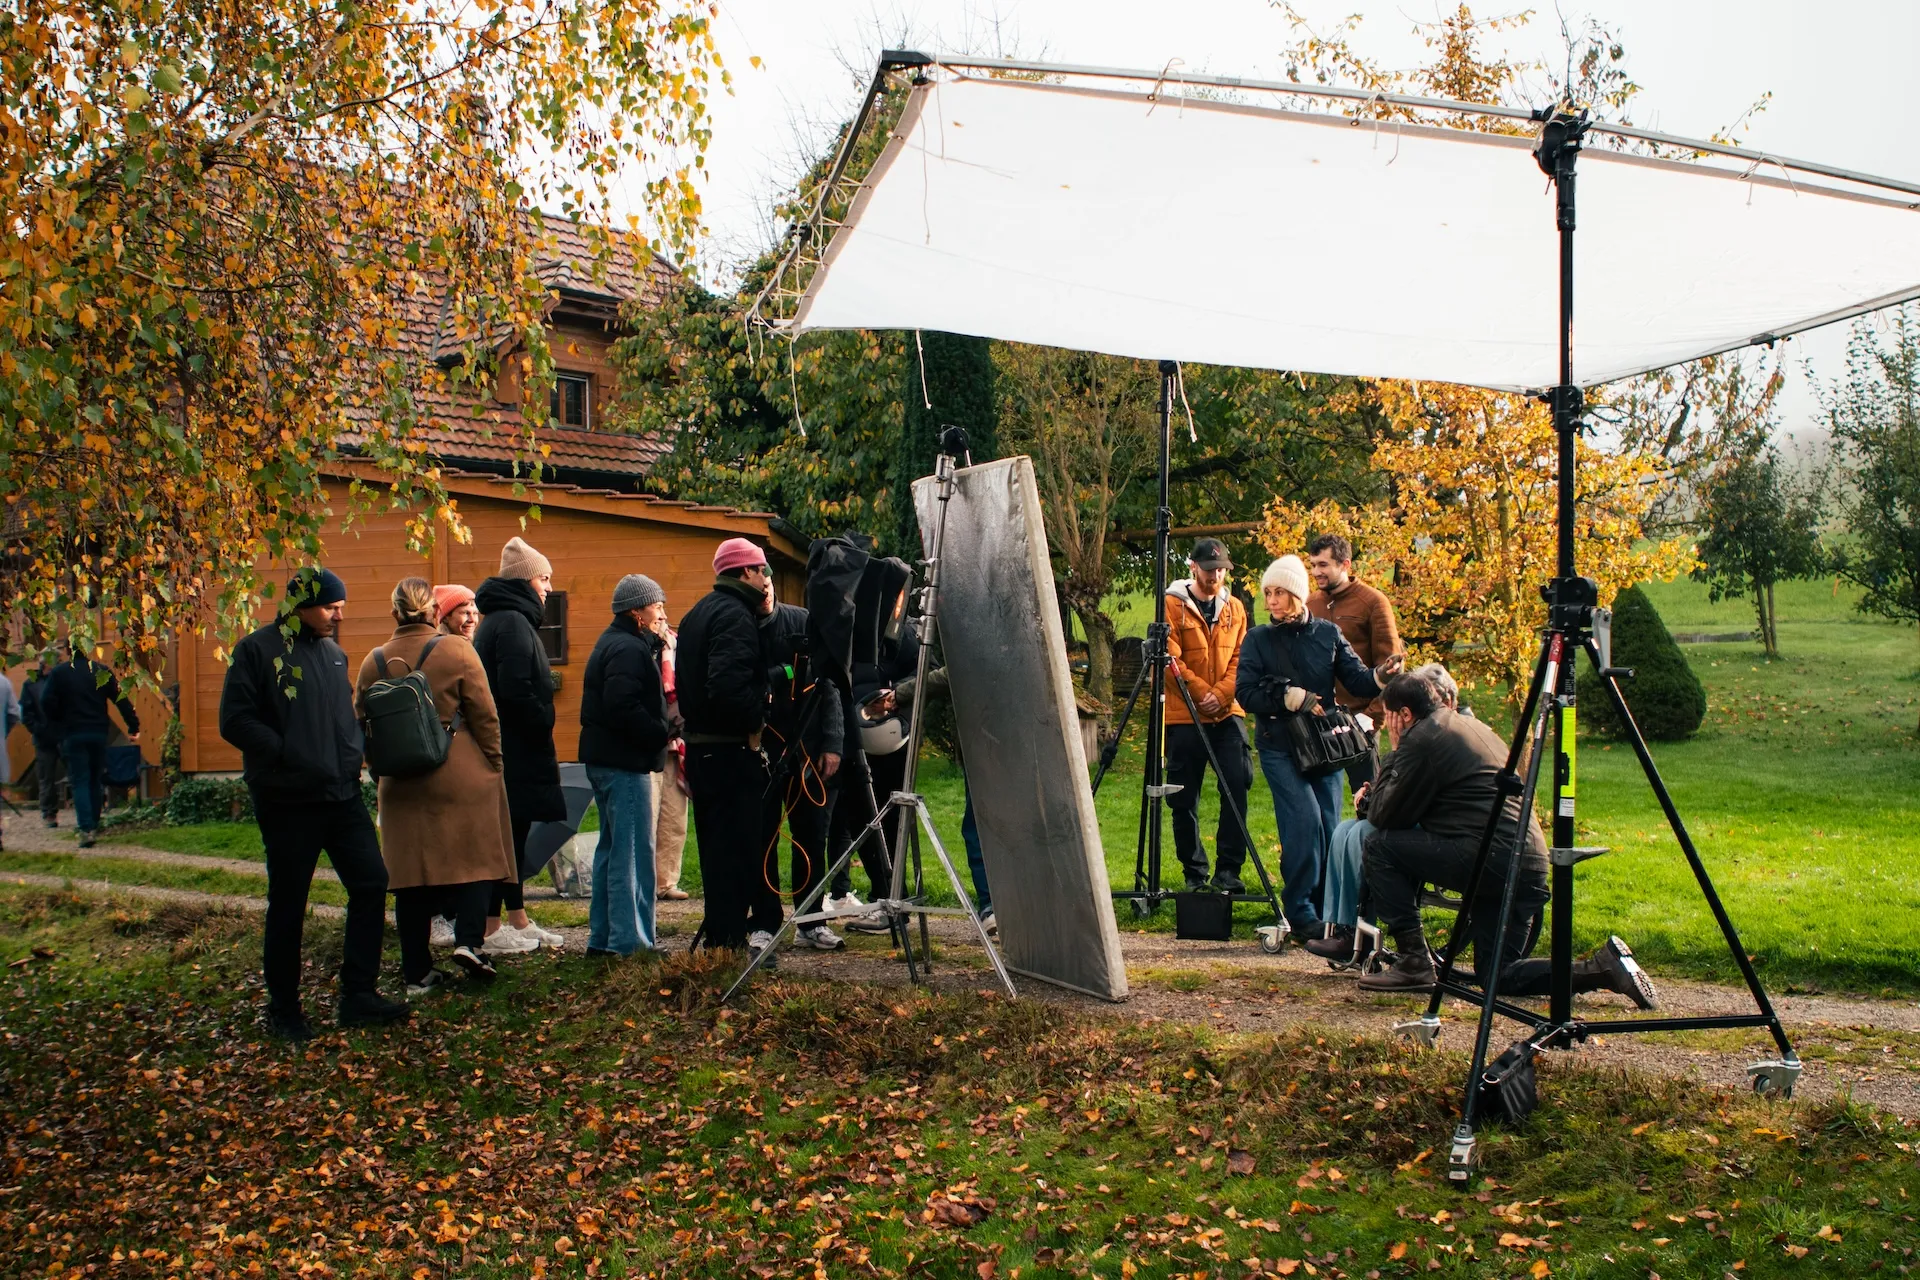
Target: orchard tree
[
  {"x": 1761, "y": 529},
  {"x": 221, "y": 220}
]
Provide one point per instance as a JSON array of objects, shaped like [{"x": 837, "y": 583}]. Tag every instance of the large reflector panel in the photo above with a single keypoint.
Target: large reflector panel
[
  {"x": 1019, "y": 732},
  {"x": 1206, "y": 231}
]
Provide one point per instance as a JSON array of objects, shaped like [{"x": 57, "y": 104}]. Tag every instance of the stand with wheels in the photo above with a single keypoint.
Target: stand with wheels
[
  {"x": 900, "y": 906},
  {"x": 1575, "y": 623},
  {"x": 1147, "y": 893}
]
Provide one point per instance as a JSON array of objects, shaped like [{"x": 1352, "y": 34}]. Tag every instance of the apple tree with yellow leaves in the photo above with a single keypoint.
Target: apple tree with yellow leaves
[
  {"x": 220, "y": 219},
  {"x": 1469, "y": 536}
]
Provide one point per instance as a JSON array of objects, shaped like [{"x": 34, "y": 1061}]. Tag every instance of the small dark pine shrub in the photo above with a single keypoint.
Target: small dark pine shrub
[{"x": 1664, "y": 695}]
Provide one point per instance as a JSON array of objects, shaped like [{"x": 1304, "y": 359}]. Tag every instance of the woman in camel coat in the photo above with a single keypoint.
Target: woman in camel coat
[{"x": 445, "y": 835}]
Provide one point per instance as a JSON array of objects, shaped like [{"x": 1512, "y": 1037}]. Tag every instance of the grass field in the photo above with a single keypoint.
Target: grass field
[
  {"x": 1802, "y": 790},
  {"x": 593, "y": 1119}
]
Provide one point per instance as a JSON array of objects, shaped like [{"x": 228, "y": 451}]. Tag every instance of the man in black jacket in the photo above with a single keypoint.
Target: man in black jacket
[
  {"x": 1429, "y": 808},
  {"x": 806, "y": 741},
  {"x": 512, "y": 607},
  {"x": 624, "y": 733},
  {"x": 77, "y": 696},
  {"x": 288, "y": 705},
  {"x": 47, "y": 765},
  {"x": 724, "y": 697}
]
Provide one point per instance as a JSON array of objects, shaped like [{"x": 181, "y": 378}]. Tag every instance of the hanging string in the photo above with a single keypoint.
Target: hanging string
[
  {"x": 793, "y": 377},
  {"x": 919, "y": 351},
  {"x": 1180, "y": 382}
]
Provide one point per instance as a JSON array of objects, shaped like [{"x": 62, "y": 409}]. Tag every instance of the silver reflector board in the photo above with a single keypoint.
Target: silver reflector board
[{"x": 1019, "y": 731}]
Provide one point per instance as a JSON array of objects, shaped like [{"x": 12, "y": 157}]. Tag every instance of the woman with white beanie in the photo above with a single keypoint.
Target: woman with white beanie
[{"x": 1288, "y": 668}]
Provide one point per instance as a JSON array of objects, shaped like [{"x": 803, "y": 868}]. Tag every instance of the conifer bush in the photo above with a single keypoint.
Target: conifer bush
[{"x": 1664, "y": 695}]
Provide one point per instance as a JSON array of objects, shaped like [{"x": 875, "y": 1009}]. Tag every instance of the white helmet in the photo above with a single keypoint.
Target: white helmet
[{"x": 883, "y": 737}]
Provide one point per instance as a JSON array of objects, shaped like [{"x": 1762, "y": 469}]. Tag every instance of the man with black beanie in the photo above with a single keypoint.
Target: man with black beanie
[{"x": 288, "y": 705}]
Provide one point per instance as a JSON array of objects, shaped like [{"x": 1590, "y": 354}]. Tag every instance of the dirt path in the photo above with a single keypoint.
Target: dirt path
[{"x": 1869, "y": 1047}]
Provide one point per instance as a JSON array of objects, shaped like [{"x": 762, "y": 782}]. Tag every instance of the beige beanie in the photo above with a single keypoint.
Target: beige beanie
[
  {"x": 518, "y": 560},
  {"x": 1288, "y": 574}
]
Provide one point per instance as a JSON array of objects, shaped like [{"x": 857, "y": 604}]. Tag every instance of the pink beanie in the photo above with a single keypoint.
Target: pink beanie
[
  {"x": 737, "y": 553},
  {"x": 447, "y": 599}
]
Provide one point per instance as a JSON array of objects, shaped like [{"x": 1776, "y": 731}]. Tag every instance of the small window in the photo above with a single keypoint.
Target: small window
[
  {"x": 570, "y": 402},
  {"x": 553, "y": 628}
]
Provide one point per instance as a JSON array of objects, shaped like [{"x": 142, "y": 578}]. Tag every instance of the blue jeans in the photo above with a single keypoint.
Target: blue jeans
[
  {"x": 86, "y": 757},
  {"x": 1344, "y": 884},
  {"x": 621, "y": 916},
  {"x": 1306, "y": 810},
  {"x": 976, "y": 865}
]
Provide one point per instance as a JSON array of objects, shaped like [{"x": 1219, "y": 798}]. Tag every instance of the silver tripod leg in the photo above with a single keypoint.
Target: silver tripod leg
[
  {"x": 792, "y": 922},
  {"x": 953, "y": 878}
]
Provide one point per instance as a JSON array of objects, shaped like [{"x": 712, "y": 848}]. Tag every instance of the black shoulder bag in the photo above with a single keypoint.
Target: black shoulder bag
[{"x": 1324, "y": 739}]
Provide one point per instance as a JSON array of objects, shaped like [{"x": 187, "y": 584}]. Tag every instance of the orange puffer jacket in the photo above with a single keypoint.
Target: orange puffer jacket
[{"x": 1208, "y": 656}]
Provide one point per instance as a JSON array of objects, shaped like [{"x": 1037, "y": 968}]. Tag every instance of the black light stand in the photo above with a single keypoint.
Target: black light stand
[
  {"x": 900, "y": 906},
  {"x": 1574, "y": 623},
  {"x": 1147, "y": 893}
]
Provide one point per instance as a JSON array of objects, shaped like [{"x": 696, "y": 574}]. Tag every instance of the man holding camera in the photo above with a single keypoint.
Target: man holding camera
[
  {"x": 1429, "y": 808},
  {"x": 1205, "y": 629},
  {"x": 724, "y": 699}
]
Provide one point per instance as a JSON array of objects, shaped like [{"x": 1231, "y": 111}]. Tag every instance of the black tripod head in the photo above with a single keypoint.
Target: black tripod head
[{"x": 953, "y": 444}]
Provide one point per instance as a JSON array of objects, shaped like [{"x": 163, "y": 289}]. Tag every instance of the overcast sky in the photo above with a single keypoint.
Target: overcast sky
[{"x": 1841, "y": 74}]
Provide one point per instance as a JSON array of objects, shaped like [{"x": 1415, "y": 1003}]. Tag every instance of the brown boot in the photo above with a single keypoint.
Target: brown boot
[{"x": 1413, "y": 972}]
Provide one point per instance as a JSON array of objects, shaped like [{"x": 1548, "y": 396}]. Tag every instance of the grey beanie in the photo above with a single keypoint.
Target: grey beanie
[{"x": 636, "y": 591}]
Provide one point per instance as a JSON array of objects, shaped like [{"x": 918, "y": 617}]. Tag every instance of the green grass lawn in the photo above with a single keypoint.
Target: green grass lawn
[{"x": 586, "y": 1118}]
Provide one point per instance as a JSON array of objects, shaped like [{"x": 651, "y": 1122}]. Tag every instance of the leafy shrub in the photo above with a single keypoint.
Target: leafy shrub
[
  {"x": 139, "y": 813},
  {"x": 1664, "y": 695},
  {"x": 195, "y": 799}
]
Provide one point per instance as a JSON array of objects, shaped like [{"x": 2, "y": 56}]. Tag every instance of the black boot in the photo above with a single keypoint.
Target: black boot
[
  {"x": 289, "y": 1025},
  {"x": 370, "y": 1009},
  {"x": 1413, "y": 971},
  {"x": 1612, "y": 968},
  {"x": 1337, "y": 943}
]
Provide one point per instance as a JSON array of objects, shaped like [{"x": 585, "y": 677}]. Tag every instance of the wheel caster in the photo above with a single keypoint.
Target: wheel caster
[
  {"x": 1424, "y": 1032},
  {"x": 1464, "y": 1157},
  {"x": 1775, "y": 1077},
  {"x": 1272, "y": 937},
  {"x": 1143, "y": 909}
]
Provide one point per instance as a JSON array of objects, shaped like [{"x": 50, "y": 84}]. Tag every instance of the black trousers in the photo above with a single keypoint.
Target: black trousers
[
  {"x": 295, "y": 835},
  {"x": 415, "y": 908},
  {"x": 1187, "y": 768},
  {"x": 808, "y": 806},
  {"x": 852, "y": 812},
  {"x": 1397, "y": 863},
  {"x": 727, "y": 783},
  {"x": 47, "y": 769},
  {"x": 509, "y": 895}
]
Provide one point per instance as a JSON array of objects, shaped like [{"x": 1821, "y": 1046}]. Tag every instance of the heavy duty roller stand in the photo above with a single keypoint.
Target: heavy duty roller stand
[
  {"x": 1155, "y": 666},
  {"x": 1575, "y": 623}
]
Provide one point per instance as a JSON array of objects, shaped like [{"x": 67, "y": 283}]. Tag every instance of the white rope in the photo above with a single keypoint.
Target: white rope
[
  {"x": 925, "y": 400},
  {"x": 793, "y": 376},
  {"x": 1180, "y": 381}
]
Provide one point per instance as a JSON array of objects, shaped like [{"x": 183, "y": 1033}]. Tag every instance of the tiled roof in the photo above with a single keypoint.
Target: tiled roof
[{"x": 457, "y": 438}]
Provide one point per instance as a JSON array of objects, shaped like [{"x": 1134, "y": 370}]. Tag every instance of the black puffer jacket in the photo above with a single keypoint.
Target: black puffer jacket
[
  {"x": 783, "y": 646},
  {"x": 508, "y": 643},
  {"x": 302, "y": 749},
  {"x": 623, "y": 704},
  {"x": 722, "y": 676},
  {"x": 1310, "y": 652}
]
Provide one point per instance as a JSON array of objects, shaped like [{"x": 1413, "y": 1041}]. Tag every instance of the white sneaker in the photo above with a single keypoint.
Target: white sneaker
[
  {"x": 759, "y": 940},
  {"x": 851, "y": 900},
  {"x": 821, "y": 938},
  {"x": 440, "y": 934},
  {"x": 990, "y": 924},
  {"x": 547, "y": 937},
  {"x": 874, "y": 921},
  {"x": 509, "y": 941}
]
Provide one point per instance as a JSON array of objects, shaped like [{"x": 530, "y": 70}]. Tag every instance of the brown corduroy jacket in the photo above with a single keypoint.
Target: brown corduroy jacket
[{"x": 1365, "y": 617}]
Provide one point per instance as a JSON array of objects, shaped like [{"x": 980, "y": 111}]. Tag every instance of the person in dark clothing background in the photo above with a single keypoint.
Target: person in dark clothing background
[
  {"x": 805, "y": 744},
  {"x": 725, "y": 698},
  {"x": 1429, "y": 809},
  {"x": 47, "y": 766},
  {"x": 624, "y": 732},
  {"x": 76, "y": 699},
  {"x": 1287, "y": 668},
  {"x": 288, "y": 706},
  {"x": 512, "y": 606},
  {"x": 882, "y": 723}
]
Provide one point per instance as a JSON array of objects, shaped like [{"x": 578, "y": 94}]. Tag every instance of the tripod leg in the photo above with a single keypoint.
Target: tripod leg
[
  {"x": 1680, "y": 834},
  {"x": 953, "y": 878},
  {"x": 1112, "y": 750},
  {"x": 1521, "y": 733},
  {"x": 1232, "y": 805}
]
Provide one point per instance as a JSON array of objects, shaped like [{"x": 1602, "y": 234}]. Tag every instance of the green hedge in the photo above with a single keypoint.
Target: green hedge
[
  {"x": 1664, "y": 695},
  {"x": 196, "y": 799}
]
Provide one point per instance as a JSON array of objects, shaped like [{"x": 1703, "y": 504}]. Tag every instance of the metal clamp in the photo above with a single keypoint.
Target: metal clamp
[
  {"x": 1425, "y": 1031},
  {"x": 1464, "y": 1158},
  {"x": 1578, "y": 853},
  {"x": 1775, "y": 1076}
]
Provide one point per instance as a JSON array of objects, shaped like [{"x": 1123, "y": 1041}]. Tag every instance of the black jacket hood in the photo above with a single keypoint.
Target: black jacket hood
[{"x": 498, "y": 594}]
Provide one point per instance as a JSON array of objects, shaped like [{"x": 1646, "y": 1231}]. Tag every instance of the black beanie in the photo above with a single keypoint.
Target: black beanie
[{"x": 315, "y": 586}]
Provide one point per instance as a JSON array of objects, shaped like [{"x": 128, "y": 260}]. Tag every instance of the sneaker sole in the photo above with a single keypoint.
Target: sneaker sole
[
  {"x": 1622, "y": 962},
  {"x": 825, "y": 946},
  {"x": 476, "y": 970}
]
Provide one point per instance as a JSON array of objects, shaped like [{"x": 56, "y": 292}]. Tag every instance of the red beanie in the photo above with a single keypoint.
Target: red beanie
[
  {"x": 737, "y": 553},
  {"x": 447, "y": 599}
]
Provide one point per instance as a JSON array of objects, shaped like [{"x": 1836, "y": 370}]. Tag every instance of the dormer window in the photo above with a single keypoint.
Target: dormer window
[{"x": 570, "y": 401}]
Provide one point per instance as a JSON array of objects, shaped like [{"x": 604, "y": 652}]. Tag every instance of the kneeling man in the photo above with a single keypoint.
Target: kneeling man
[{"x": 1429, "y": 810}]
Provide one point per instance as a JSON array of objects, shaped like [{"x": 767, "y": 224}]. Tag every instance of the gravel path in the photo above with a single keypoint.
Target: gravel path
[{"x": 1870, "y": 1047}]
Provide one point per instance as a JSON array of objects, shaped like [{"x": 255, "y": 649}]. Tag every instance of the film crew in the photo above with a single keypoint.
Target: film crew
[
  {"x": 724, "y": 698},
  {"x": 458, "y": 614},
  {"x": 806, "y": 741},
  {"x": 287, "y": 704},
  {"x": 47, "y": 766},
  {"x": 624, "y": 733},
  {"x": 1365, "y": 617},
  {"x": 78, "y": 696},
  {"x": 1206, "y": 626},
  {"x": 446, "y": 835},
  {"x": 884, "y": 723},
  {"x": 670, "y": 791},
  {"x": 1287, "y": 668},
  {"x": 1429, "y": 812},
  {"x": 512, "y": 605}
]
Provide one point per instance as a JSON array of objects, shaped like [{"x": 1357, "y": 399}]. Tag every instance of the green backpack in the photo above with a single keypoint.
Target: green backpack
[{"x": 405, "y": 737}]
